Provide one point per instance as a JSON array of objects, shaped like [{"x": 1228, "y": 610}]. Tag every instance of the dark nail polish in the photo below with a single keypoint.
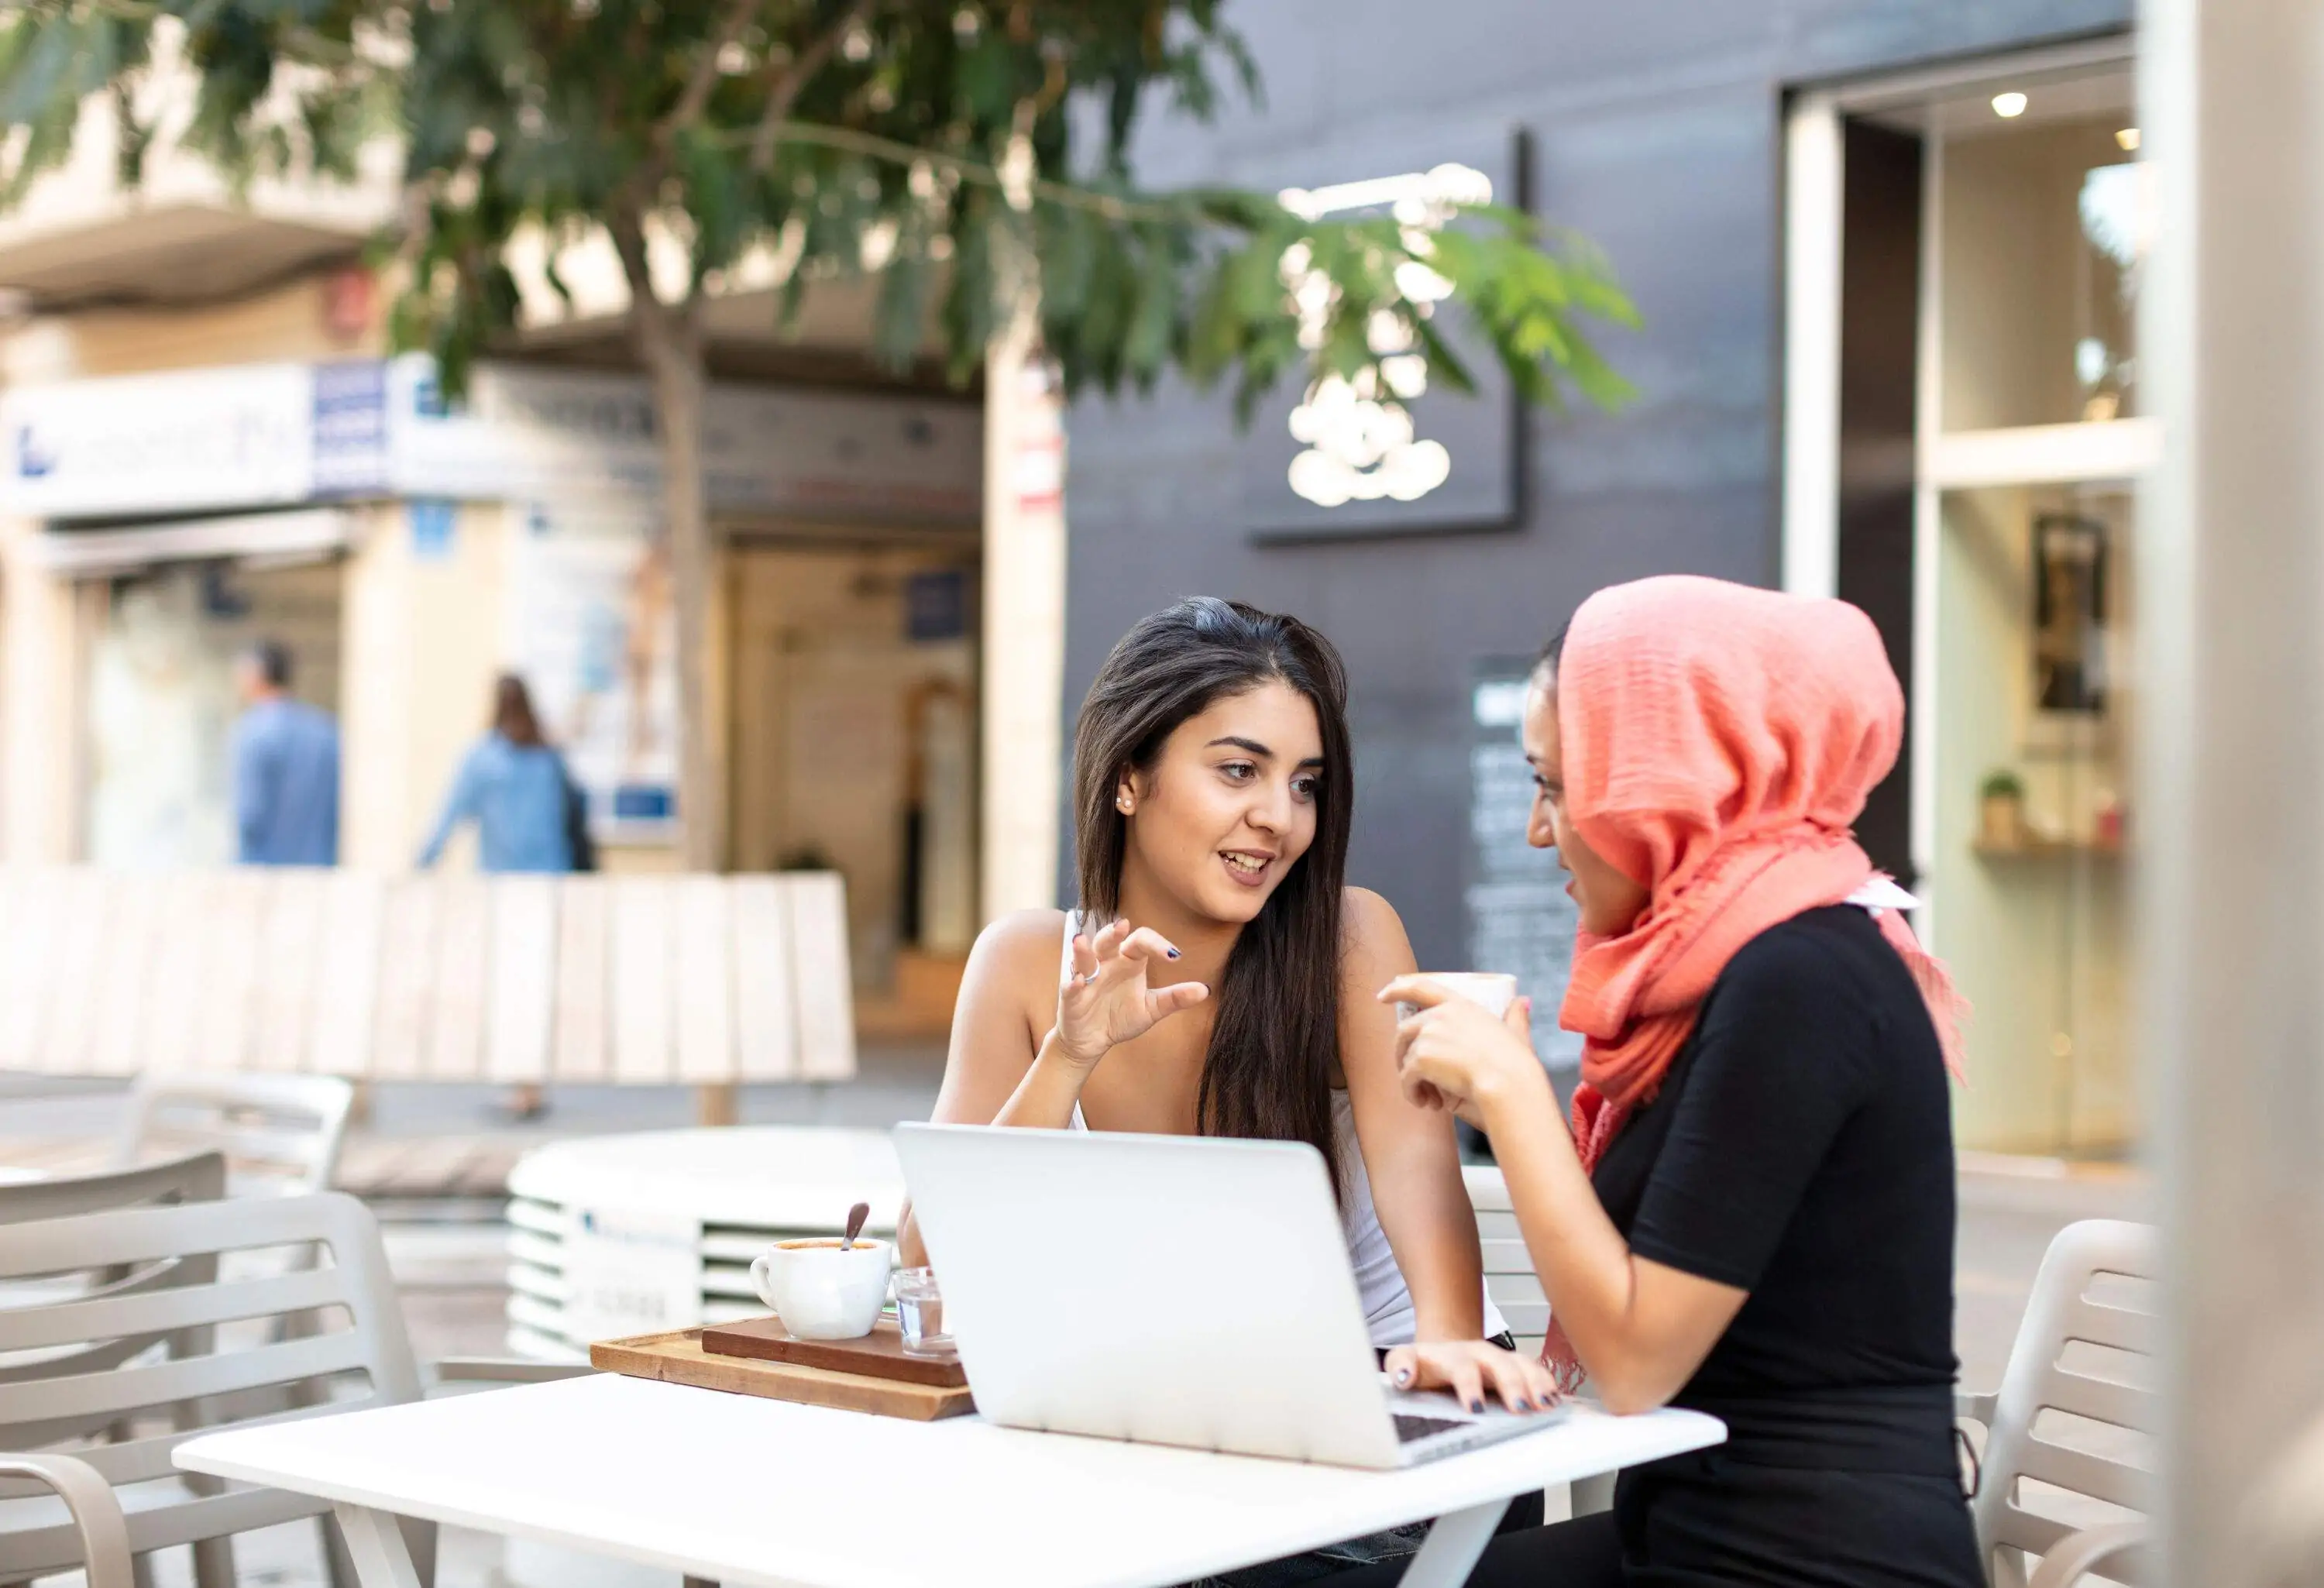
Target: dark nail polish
[
  {"x": 1174, "y": 954},
  {"x": 1476, "y": 1406}
]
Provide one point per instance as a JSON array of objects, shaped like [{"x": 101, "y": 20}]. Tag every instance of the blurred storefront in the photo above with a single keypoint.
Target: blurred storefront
[
  {"x": 405, "y": 550},
  {"x": 1964, "y": 436}
]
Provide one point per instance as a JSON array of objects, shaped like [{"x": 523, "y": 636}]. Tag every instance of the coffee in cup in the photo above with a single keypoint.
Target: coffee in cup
[
  {"x": 822, "y": 1290},
  {"x": 1492, "y": 989}
]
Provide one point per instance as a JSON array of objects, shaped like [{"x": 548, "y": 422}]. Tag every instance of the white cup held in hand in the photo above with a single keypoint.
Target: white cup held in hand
[
  {"x": 821, "y": 1292},
  {"x": 1492, "y": 989}
]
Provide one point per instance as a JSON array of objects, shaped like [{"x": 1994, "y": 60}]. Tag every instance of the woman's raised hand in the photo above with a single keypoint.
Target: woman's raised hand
[{"x": 1104, "y": 999}]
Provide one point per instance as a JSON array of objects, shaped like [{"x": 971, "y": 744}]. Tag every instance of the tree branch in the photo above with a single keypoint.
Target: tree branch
[
  {"x": 796, "y": 77},
  {"x": 705, "y": 78},
  {"x": 985, "y": 175},
  {"x": 659, "y": 326}
]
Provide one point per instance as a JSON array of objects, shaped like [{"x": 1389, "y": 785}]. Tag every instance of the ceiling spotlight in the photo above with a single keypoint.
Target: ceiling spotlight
[
  {"x": 2127, "y": 140},
  {"x": 2008, "y": 104}
]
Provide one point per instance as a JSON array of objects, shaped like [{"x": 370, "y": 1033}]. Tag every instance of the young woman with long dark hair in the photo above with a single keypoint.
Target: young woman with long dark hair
[{"x": 1217, "y": 978}]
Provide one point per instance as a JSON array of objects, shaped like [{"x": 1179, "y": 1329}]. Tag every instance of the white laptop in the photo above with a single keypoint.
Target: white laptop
[{"x": 1173, "y": 1289}]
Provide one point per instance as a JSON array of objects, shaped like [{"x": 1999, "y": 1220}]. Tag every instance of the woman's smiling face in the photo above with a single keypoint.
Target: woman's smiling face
[
  {"x": 1229, "y": 806},
  {"x": 1611, "y": 902}
]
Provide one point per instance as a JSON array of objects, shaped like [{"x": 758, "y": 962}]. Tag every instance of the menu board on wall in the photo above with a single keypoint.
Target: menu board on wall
[{"x": 1520, "y": 920}]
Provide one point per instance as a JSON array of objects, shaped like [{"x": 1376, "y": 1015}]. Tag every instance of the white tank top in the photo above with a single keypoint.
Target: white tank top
[{"x": 1379, "y": 1283}]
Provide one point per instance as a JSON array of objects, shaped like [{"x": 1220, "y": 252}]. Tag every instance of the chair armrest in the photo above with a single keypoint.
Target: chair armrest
[
  {"x": 1975, "y": 1409},
  {"x": 506, "y": 1370},
  {"x": 2077, "y": 1555},
  {"x": 96, "y": 1513}
]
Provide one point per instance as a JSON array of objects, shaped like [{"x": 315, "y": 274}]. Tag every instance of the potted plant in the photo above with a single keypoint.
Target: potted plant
[{"x": 2001, "y": 810}]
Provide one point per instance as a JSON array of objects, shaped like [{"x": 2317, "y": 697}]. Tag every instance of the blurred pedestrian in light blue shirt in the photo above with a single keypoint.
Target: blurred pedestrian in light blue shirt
[
  {"x": 529, "y": 813},
  {"x": 286, "y": 768},
  {"x": 517, "y": 791}
]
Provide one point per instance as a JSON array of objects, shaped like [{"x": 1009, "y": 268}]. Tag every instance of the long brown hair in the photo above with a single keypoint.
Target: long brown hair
[
  {"x": 1276, "y": 1032},
  {"x": 512, "y": 714}
]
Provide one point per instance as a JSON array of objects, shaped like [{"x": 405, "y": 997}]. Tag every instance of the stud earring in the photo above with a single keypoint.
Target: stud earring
[{"x": 1121, "y": 803}]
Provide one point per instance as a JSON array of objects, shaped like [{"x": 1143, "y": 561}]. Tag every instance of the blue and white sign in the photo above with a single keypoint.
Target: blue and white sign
[
  {"x": 272, "y": 435},
  {"x": 188, "y": 441}
]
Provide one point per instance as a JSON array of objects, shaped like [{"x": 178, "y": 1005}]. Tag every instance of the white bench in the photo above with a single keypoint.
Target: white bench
[{"x": 704, "y": 981}]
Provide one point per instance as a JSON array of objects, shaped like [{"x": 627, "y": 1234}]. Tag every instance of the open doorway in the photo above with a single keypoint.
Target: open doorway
[
  {"x": 161, "y": 703},
  {"x": 854, "y": 671},
  {"x": 1964, "y": 436}
]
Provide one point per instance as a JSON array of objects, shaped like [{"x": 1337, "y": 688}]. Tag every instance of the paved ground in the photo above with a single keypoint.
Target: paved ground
[{"x": 431, "y": 1159}]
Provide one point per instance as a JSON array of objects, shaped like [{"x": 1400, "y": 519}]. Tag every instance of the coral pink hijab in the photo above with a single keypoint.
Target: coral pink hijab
[{"x": 1719, "y": 742}]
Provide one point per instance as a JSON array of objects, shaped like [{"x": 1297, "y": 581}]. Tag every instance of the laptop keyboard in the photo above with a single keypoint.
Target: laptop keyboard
[{"x": 1409, "y": 1428}]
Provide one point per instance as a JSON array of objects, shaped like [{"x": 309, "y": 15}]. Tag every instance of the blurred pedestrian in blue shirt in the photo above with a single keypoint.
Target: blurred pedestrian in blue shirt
[
  {"x": 517, "y": 791},
  {"x": 286, "y": 768}
]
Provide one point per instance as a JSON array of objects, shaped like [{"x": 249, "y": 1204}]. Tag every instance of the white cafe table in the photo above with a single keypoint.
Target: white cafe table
[{"x": 745, "y": 1492}]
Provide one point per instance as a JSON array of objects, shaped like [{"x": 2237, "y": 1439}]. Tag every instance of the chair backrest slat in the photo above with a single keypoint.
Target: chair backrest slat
[
  {"x": 153, "y": 1310},
  {"x": 2105, "y": 1400},
  {"x": 199, "y": 1177},
  {"x": 33, "y": 1413},
  {"x": 2116, "y": 1327}
]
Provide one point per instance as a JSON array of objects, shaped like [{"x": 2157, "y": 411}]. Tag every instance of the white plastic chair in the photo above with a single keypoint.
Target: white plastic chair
[
  {"x": 279, "y": 1132},
  {"x": 176, "y": 1349},
  {"x": 2086, "y": 1343},
  {"x": 159, "y": 1394}
]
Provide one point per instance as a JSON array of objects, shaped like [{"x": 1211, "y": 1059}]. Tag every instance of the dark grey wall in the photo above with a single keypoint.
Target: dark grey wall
[{"x": 1655, "y": 128}]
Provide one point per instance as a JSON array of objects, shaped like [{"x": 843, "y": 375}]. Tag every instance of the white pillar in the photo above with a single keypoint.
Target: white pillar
[
  {"x": 1813, "y": 165},
  {"x": 39, "y": 814},
  {"x": 2229, "y": 826},
  {"x": 1024, "y": 659}
]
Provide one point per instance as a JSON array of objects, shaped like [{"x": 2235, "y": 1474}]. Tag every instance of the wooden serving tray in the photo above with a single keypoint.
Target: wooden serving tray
[
  {"x": 678, "y": 1358},
  {"x": 877, "y": 1356}
]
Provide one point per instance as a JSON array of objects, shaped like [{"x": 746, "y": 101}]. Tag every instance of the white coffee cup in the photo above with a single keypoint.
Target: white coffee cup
[
  {"x": 821, "y": 1292},
  {"x": 1492, "y": 989}
]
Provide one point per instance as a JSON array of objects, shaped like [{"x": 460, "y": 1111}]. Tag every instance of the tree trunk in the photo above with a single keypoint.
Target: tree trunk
[
  {"x": 679, "y": 385},
  {"x": 669, "y": 344}
]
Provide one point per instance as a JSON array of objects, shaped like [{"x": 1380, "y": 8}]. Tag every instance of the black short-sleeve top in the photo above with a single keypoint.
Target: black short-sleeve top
[{"x": 1800, "y": 1148}]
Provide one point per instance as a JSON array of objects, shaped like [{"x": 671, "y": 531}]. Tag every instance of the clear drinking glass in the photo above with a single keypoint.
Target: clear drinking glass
[{"x": 919, "y": 1311}]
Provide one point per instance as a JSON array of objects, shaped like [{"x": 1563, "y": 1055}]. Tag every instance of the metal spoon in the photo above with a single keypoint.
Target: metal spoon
[{"x": 855, "y": 1217}]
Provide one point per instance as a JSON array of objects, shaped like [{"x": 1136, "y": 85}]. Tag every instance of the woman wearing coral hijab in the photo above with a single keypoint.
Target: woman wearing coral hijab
[{"x": 1753, "y": 1211}]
